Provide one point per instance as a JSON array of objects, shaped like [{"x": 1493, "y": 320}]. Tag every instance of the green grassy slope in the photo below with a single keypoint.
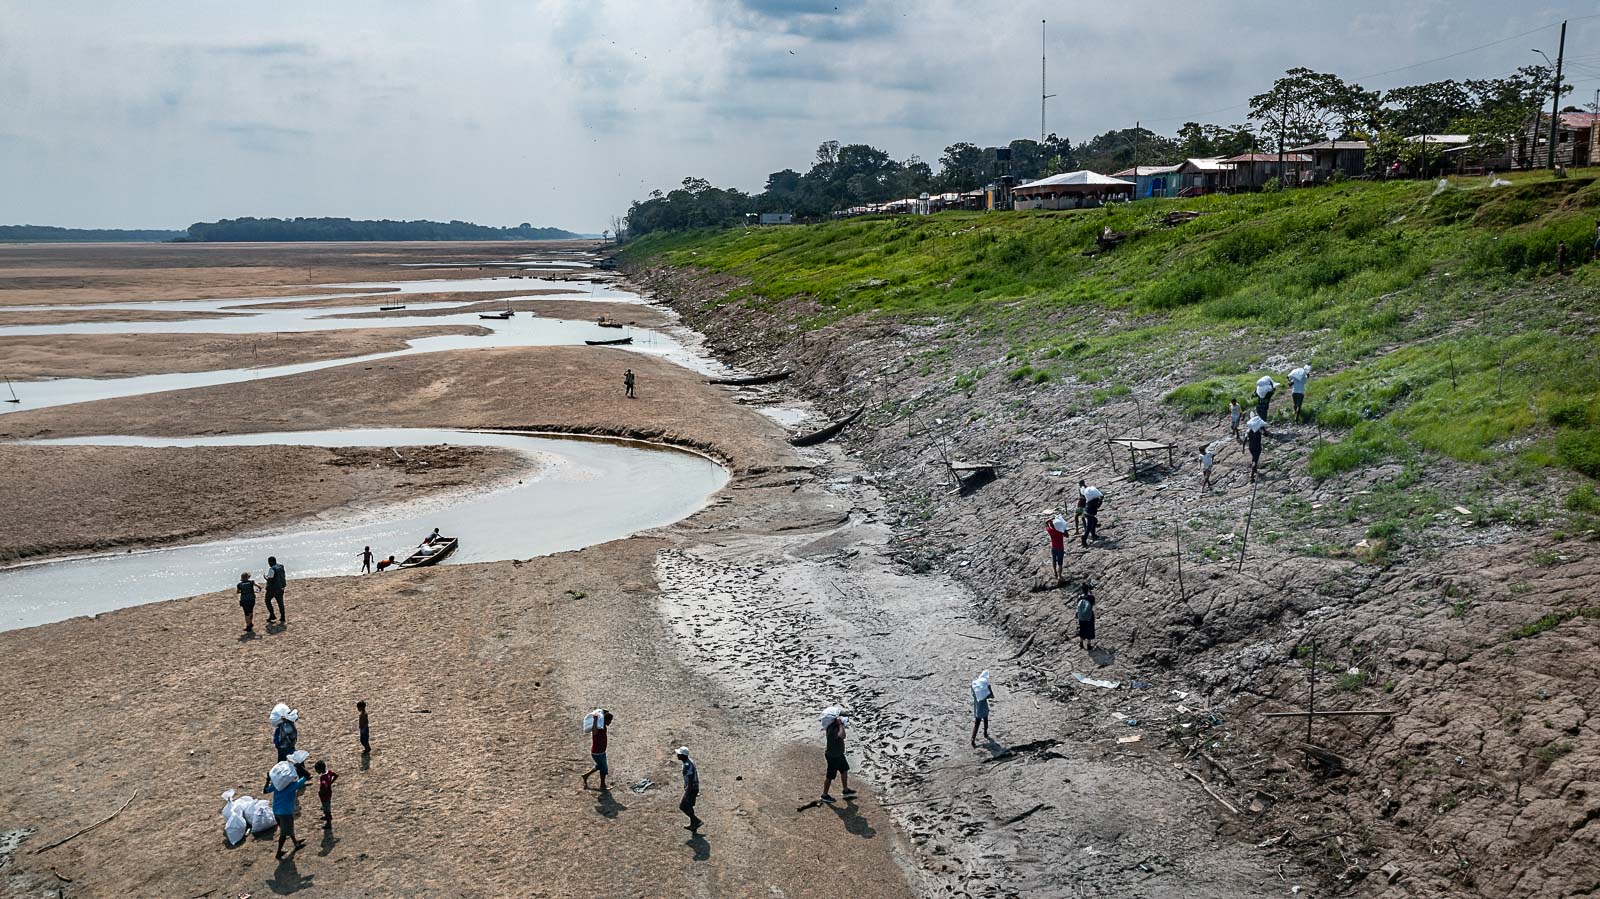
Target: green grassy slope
[{"x": 1434, "y": 317}]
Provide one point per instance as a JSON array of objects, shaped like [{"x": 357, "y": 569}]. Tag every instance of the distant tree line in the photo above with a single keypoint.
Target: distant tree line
[
  {"x": 1302, "y": 107},
  {"x": 85, "y": 235},
  {"x": 314, "y": 229}
]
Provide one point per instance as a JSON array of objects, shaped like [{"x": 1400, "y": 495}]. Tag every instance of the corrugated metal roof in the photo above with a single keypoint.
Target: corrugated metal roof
[
  {"x": 1268, "y": 157},
  {"x": 1144, "y": 171},
  {"x": 1332, "y": 145}
]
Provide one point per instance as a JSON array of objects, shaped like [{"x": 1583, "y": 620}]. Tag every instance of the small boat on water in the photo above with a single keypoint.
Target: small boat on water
[
  {"x": 751, "y": 380},
  {"x": 502, "y": 316},
  {"x": 390, "y": 308},
  {"x": 608, "y": 322},
  {"x": 618, "y": 342},
  {"x": 430, "y": 553}
]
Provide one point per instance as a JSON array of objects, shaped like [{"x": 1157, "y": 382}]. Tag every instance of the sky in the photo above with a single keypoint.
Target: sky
[{"x": 163, "y": 113}]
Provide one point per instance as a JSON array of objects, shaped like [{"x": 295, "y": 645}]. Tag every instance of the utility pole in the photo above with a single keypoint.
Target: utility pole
[
  {"x": 1043, "y": 95},
  {"x": 1555, "y": 101}
]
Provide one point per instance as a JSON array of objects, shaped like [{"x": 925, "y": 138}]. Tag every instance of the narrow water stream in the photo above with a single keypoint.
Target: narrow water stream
[{"x": 586, "y": 492}]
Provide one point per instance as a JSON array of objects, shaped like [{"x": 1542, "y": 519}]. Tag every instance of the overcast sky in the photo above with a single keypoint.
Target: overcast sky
[{"x": 159, "y": 114}]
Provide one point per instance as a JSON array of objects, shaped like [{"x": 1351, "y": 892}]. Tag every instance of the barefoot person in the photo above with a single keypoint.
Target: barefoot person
[
  {"x": 361, "y": 727},
  {"x": 1057, "y": 529},
  {"x": 691, "y": 788},
  {"x": 386, "y": 563},
  {"x": 325, "y": 779},
  {"x": 276, "y": 581},
  {"x": 982, "y": 692},
  {"x": 1086, "y": 618},
  {"x": 1265, "y": 388},
  {"x": 1234, "y": 414},
  {"x": 833, "y": 725},
  {"x": 597, "y": 725},
  {"x": 366, "y": 560},
  {"x": 247, "y": 600},
  {"x": 1207, "y": 459}
]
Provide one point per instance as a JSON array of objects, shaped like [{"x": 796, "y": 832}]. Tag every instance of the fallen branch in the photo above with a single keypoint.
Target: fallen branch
[
  {"x": 90, "y": 827},
  {"x": 1210, "y": 792},
  {"x": 1330, "y": 714}
]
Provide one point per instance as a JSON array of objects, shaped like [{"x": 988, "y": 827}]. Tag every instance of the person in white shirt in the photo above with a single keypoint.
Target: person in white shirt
[
  {"x": 1092, "y": 497},
  {"x": 1235, "y": 418},
  {"x": 1206, "y": 460},
  {"x": 1297, "y": 387}
]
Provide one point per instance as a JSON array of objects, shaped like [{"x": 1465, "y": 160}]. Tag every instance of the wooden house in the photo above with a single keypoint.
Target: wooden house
[
  {"x": 1348, "y": 157},
  {"x": 1253, "y": 171}
]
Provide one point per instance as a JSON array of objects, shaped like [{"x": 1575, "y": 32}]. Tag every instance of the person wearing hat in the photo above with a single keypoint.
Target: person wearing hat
[
  {"x": 285, "y": 783},
  {"x": 597, "y": 724},
  {"x": 691, "y": 788},
  {"x": 1057, "y": 529},
  {"x": 284, "y": 730}
]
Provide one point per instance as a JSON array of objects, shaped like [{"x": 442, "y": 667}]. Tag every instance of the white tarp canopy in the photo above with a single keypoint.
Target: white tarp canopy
[{"x": 1080, "y": 182}]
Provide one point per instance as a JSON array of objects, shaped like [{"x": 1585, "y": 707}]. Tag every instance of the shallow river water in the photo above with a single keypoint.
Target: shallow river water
[{"x": 585, "y": 492}]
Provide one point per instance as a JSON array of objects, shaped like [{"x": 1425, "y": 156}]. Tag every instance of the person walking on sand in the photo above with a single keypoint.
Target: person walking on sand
[
  {"x": 325, "y": 779},
  {"x": 366, "y": 559},
  {"x": 1092, "y": 498},
  {"x": 361, "y": 727},
  {"x": 1265, "y": 388},
  {"x": 1077, "y": 513},
  {"x": 833, "y": 727},
  {"x": 597, "y": 725},
  {"x": 285, "y": 732},
  {"x": 1297, "y": 387},
  {"x": 1057, "y": 529},
  {"x": 247, "y": 600},
  {"x": 982, "y": 692},
  {"x": 276, "y": 581},
  {"x": 285, "y": 783},
  {"x": 691, "y": 788},
  {"x": 627, "y": 384},
  {"x": 1234, "y": 420},
  {"x": 1256, "y": 428},
  {"x": 1086, "y": 618},
  {"x": 1206, "y": 461}
]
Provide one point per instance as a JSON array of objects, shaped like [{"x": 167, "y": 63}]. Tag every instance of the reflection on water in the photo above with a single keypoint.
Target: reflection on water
[{"x": 586, "y": 492}]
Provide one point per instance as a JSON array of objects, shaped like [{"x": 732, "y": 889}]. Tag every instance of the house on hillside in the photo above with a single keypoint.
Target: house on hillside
[
  {"x": 1070, "y": 190},
  {"x": 1575, "y": 144},
  {"x": 1348, "y": 157},
  {"x": 1203, "y": 176},
  {"x": 1151, "y": 180},
  {"x": 777, "y": 218},
  {"x": 1252, "y": 171}
]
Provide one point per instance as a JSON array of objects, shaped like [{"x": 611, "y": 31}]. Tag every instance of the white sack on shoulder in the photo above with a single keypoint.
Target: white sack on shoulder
[{"x": 282, "y": 775}]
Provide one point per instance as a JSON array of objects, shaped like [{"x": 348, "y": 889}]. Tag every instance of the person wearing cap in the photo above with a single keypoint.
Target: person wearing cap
[
  {"x": 691, "y": 788},
  {"x": 1265, "y": 388},
  {"x": 1297, "y": 387},
  {"x": 286, "y": 800},
  {"x": 833, "y": 753},
  {"x": 1092, "y": 497},
  {"x": 598, "y": 724},
  {"x": 1257, "y": 427},
  {"x": 1057, "y": 529},
  {"x": 284, "y": 730}
]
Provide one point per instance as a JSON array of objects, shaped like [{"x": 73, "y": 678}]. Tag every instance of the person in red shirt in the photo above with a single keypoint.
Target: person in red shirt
[
  {"x": 1057, "y": 529},
  {"x": 598, "y": 724},
  {"x": 325, "y": 779}
]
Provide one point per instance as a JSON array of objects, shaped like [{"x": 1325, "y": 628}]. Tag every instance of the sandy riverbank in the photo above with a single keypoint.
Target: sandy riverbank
[
  {"x": 128, "y": 355},
  {"x": 62, "y": 500}
]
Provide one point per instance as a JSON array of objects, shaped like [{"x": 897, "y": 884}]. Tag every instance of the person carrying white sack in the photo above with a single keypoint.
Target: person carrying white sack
[
  {"x": 1257, "y": 427},
  {"x": 982, "y": 692},
  {"x": 1297, "y": 387},
  {"x": 285, "y": 731},
  {"x": 833, "y": 726},
  {"x": 285, "y": 783},
  {"x": 1265, "y": 388},
  {"x": 596, "y": 724}
]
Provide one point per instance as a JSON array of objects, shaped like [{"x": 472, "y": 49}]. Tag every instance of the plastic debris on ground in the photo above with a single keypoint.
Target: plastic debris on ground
[{"x": 1085, "y": 679}]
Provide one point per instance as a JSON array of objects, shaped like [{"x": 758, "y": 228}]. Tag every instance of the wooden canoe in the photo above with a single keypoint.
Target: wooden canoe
[
  {"x": 751, "y": 380},
  {"x": 619, "y": 341},
  {"x": 609, "y": 324},
  {"x": 389, "y": 308},
  {"x": 431, "y": 554},
  {"x": 827, "y": 433}
]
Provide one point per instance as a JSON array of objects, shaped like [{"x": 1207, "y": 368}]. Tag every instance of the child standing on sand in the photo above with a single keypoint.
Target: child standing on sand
[
  {"x": 361, "y": 726},
  {"x": 325, "y": 779}
]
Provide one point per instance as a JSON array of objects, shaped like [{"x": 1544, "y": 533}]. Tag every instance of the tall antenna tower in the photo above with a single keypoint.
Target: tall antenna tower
[{"x": 1043, "y": 95}]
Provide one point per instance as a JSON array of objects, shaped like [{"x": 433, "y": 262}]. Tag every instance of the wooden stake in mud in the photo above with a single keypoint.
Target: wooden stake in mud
[
  {"x": 1110, "y": 454},
  {"x": 1140, "y": 406},
  {"x": 1311, "y": 698},
  {"x": 1177, "y": 537},
  {"x": 1452, "y": 369},
  {"x": 1247, "y": 516}
]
